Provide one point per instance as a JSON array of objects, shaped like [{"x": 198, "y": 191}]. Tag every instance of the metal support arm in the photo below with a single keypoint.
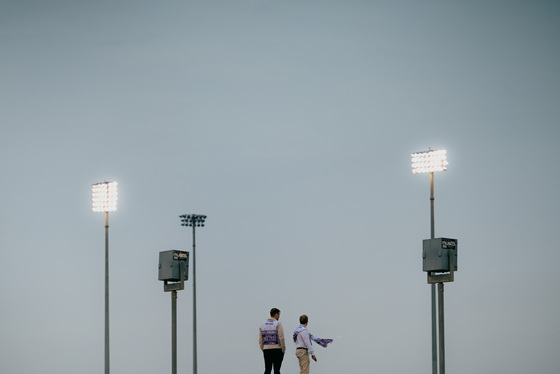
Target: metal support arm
[
  {"x": 444, "y": 277},
  {"x": 176, "y": 286}
]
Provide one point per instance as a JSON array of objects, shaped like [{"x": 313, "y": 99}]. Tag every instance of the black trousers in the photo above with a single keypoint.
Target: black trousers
[{"x": 273, "y": 357}]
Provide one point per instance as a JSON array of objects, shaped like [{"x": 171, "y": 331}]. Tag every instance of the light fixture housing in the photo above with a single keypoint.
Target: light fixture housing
[
  {"x": 104, "y": 197},
  {"x": 191, "y": 220},
  {"x": 429, "y": 161}
]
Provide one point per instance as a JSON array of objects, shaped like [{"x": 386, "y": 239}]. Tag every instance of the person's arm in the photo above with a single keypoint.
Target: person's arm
[
  {"x": 307, "y": 340},
  {"x": 261, "y": 344},
  {"x": 310, "y": 347},
  {"x": 281, "y": 337}
]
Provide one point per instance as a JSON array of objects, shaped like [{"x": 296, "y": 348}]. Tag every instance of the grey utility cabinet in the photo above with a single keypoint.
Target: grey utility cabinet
[
  {"x": 171, "y": 263},
  {"x": 438, "y": 254}
]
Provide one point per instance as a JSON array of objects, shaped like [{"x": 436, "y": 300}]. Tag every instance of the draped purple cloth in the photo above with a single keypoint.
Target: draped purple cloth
[{"x": 321, "y": 342}]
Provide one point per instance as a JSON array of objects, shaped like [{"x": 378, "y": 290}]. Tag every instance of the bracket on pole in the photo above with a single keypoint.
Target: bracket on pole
[
  {"x": 176, "y": 286},
  {"x": 434, "y": 277}
]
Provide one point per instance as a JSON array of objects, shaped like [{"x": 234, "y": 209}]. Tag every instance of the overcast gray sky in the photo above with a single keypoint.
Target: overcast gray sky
[{"x": 290, "y": 125}]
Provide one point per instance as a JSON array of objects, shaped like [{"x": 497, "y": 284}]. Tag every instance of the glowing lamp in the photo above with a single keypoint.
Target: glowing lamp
[
  {"x": 104, "y": 197},
  {"x": 429, "y": 161}
]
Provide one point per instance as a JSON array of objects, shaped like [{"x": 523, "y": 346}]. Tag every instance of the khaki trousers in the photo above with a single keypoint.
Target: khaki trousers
[{"x": 303, "y": 358}]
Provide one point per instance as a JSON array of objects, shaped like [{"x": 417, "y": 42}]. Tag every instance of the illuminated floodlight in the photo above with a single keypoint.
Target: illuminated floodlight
[
  {"x": 104, "y": 197},
  {"x": 429, "y": 161}
]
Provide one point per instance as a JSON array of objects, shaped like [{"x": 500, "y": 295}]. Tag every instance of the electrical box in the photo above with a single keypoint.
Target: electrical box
[
  {"x": 171, "y": 263},
  {"x": 438, "y": 253}
]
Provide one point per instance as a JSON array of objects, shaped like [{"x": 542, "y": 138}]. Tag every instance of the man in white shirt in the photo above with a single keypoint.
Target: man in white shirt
[
  {"x": 304, "y": 349},
  {"x": 271, "y": 341}
]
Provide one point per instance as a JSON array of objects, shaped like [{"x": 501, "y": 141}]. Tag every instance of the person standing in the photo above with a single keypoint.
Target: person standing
[
  {"x": 304, "y": 349},
  {"x": 271, "y": 341}
]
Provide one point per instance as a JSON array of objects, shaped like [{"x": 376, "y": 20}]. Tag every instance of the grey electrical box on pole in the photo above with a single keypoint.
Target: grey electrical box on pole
[
  {"x": 173, "y": 267},
  {"x": 439, "y": 255}
]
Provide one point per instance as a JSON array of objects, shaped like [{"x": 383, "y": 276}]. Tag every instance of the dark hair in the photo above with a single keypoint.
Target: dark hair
[
  {"x": 303, "y": 319},
  {"x": 274, "y": 311}
]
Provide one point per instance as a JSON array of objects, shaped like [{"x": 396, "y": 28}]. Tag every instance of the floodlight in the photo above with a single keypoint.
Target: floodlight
[
  {"x": 429, "y": 161},
  {"x": 191, "y": 220},
  {"x": 194, "y": 221},
  {"x": 104, "y": 197}
]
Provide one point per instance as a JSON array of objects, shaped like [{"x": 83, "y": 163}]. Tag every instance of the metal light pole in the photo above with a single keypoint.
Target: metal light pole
[
  {"x": 433, "y": 288},
  {"x": 173, "y": 332},
  {"x": 104, "y": 199},
  {"x": 173, "y": 267},
  {"x": 429, "y": 162},
  {"x": 193, "y": 220}
]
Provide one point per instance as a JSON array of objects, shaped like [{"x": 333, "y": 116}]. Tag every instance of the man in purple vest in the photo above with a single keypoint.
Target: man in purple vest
[{"x": 271, "y": 341}]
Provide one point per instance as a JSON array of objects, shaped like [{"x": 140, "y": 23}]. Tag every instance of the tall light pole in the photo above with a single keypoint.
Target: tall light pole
[
  {"x": 429, "y": 162},
  {"x": 193, "y": 220},
  {"x": 173, "y": 267},
  {"x": 104, "y": 199}
]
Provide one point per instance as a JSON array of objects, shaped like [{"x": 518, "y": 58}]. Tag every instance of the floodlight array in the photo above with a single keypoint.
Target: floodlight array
[
  {"x": 192, "y": 220},
  {"x": 429, "y": 161},
  {"x": 104, "y": 197}
]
